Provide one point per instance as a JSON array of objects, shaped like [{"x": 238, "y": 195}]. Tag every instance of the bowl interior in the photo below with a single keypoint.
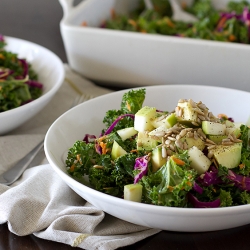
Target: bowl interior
[
  {"x": 50, "y": 72},
  {"x": 87, "y": 118}
]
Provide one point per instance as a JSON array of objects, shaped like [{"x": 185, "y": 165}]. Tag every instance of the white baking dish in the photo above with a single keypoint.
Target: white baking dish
[{"x": 129, "y": 59}]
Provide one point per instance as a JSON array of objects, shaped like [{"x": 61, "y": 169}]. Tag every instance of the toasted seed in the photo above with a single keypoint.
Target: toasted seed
[
  {"x": 196, "y": 135},
  {"x": 202, "y": 117},
  {"x": 169, "y": 152},
  {"x": 98, "y": 166},
  {"x": 210, "y": 142},
  {"x": 193, "y": 104},
  {"x": 200, "y": 132},
  {"x": 185, "y": 146},
  {"x": 211, "y": 147},
  {"x": 195, "y": 123},
  {"x": 171, "y": 146},
  {"x": 160, "y": 134},
  {"x": 202, "y": 106},
  {"x": 190, "y": 134},
  {"x": 179, "y": 144},
  {"x": 210, "y": 154},
  {"x": 183, "y": 133},
  {"x": 164, "y": 152},
  {"x": 182, "y": 100},
  {"x": 171, "y": 138},
  {"x": 227, "y": 143}
]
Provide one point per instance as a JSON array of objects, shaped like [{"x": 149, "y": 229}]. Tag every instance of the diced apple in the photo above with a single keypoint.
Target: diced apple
[
  {"x": 213, "y": 128},
  {"x": 157, "y": 160},
  {"x": 117, "y": 151},
  {"x": 126, "y": 133},
  {"x": 199, "y": 161},
  {"x": 145, "y": 142},
  {"x": 133, "y": 192},
  {"x": 227, "y": 156},
  {"x": 143, "y": 119}
]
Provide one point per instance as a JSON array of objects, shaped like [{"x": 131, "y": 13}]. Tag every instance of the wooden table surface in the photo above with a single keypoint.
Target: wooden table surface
[{"x": 38, "y": 21}]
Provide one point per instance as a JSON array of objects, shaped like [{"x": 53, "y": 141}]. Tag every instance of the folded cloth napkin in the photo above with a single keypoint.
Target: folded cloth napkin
[{"x": 40, "y": 203}]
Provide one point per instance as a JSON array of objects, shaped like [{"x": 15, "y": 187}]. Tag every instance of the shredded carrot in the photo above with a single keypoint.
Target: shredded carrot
[
  {"x": 102, "y": 138},
  {"x": 189, "y": 184},
  {"x": 72, "y": 168},
  {"x": 143, "y": 31},
  {"x": 128, "y": 106},
  {"x": 113, "y": 14},
  {"x": 134, "y": 151},
  {"x": 132, "y": 22},
  {"x": 178, "y": 161},
  {"x": 170, "y": 23},
  {"x": 104, "y": 147},
  {"x": 242, "y": 165},
  {"x": 170, "y": 188},
  {"x": 2, "y": 56},
  {"x": 221, "y": 22},
  {"x": 222, "y": 116},
  {"x": 84, "y": 24},
  {"x": 232, "y": 38},
  {"x": 78, "y": 157}
]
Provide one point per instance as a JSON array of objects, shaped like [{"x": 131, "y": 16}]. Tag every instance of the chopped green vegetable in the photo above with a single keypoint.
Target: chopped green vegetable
[{"x": 18, "y": 80}]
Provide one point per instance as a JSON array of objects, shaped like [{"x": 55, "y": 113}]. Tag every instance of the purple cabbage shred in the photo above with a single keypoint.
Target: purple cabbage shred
[
  {"x": 201, "y": 204},
  {"x": 141, "y": 163},
  {"x": 110, "y": 129}
]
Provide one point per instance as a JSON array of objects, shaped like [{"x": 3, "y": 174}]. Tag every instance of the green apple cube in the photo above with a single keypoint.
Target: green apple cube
[
  {"x": 157, "y": 160},
  {"x": 133, "y": 192},
  {"x": 213, "y": 128},
  {"x": 227, "y": 156},
  {"x": 145, "y": 142},
  {"x": 188, "y": 112},
  {"x": 117, "y": 151},
  {"x": 199, "y": 161},
  {"x": 126, "y": 133},
  {"x": 143, "y": 119}
]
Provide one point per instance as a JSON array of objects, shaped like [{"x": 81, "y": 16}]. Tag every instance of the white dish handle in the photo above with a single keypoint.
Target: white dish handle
[{"x": 67, "y": 6}]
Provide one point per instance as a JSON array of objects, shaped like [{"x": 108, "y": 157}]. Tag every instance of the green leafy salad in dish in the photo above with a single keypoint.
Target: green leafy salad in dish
[
  {"x": 186, "y": 157},
  {"x": 229, "y": 25},
  {"x": 18, "y": 80}
]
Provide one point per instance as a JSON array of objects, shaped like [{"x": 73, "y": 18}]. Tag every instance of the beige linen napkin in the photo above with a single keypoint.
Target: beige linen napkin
[{"x": 40, "y": 203}]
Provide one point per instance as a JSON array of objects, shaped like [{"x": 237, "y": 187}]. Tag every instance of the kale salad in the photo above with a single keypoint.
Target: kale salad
[
  {"x": 186, "y": 157},
  {"x": 18, "y": 80},
  {"x": 229, "y": 25}
]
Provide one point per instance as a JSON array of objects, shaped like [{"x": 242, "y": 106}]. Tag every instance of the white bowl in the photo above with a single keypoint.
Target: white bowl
[
  {"x": 50, "y": 72},
  {"x": 71, "y": 127},
  {"x": 123, "y": 58}
]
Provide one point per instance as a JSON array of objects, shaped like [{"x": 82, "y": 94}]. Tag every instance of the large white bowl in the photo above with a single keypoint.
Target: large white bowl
[
  {"x": 50, "y": 72},
  {"x": 87, "y": 118},
  {"x": 123, "y": 58}
]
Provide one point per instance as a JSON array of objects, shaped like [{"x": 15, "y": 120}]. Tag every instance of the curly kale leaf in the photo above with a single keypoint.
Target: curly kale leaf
[
  {"x": 131, "y": 102},
  {"x": 169, "y": 185},
  {"x": 13, "y": 94},
  {"x": 111, "y": 177},
  {"x": 80, "y": 158},
  {"x": 244, "y": 168}
]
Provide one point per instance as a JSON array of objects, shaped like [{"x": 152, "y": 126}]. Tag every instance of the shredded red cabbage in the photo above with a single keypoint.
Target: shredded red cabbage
[
  {"x": 141, "y": 163},
  {"x": 88, "y": 138},
  {"x": 201, "y": 204},
  {"x": 110, "y": 129},
  {"x": 34, "y": 84},
  {"x": 197, "y": 188},
  {"x": 240, "y": 181},
  {"x": 25, "y": 67},
  {"x": 210, "y": 177}
]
